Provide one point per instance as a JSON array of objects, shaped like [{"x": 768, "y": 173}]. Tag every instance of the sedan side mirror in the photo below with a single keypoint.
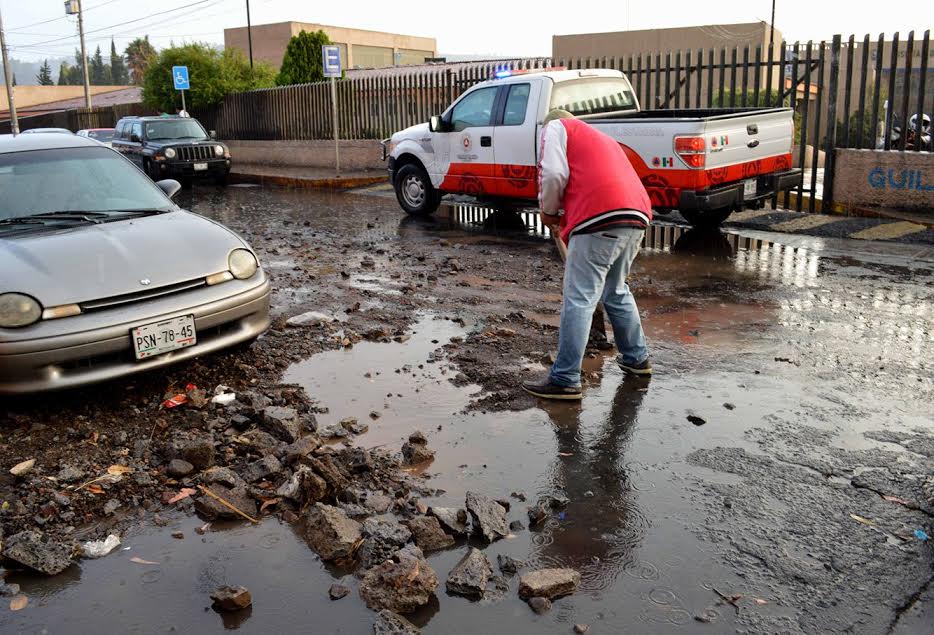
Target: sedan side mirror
[
  {"x": 213, "y": 134},
  {"x": 134, "y": 138},
  {"x": 169, "y": 186}
]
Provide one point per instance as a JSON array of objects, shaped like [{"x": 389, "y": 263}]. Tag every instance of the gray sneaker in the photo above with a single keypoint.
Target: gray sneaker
[
  {"x": 642, "y": 369},
  {"x": 547, "y": 390}
]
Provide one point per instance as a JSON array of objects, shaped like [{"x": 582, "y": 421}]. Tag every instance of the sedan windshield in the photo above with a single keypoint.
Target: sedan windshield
[
  {"x": 92, "y": 180},
  {"x": 101, "y": 135},
  {"x": 174, "y": 129}
]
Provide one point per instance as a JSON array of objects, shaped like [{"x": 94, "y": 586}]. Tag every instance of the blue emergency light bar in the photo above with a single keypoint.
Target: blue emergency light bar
[{"x": 504, "y": 73}]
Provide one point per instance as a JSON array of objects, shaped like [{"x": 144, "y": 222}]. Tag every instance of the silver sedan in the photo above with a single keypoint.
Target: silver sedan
[{"x": 102, "y": 275}]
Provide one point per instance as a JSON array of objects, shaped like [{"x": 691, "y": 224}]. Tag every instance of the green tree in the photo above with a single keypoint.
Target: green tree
[
  {"x": 99, "y": 72},
  {"x": 45, "y": 74},
  {"x": 301, "y": 63},
  {"x": 118, "y": 72},
  {"x": 213, "y": 75},
  {"x": 139, "y": 55},
  {"x": 64, "y": 72}
]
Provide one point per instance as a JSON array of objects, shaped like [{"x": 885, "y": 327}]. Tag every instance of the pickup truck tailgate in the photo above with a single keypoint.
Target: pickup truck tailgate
[{"x": 749, "y": 136}]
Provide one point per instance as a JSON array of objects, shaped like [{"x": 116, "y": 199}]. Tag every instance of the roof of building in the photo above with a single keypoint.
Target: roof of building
[{"x": 128, "y": 95}]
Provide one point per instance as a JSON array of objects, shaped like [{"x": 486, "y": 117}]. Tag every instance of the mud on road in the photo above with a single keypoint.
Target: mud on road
[{"x": 796, "y": 505}]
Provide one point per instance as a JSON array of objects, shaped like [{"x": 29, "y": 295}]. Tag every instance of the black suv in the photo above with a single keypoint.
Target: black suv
[{"x": 172, "y": 147}]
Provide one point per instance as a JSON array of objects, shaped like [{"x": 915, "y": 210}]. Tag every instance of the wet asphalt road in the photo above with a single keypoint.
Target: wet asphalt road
[{"x": 808, "y": 359}]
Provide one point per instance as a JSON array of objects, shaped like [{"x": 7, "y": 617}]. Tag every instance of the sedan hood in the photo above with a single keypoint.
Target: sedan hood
[{"x": 90, "y": 262}]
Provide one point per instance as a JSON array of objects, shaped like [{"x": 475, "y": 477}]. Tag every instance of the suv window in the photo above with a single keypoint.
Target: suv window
[
  {"x": 475, "y": 109},
  {"x": 120, "y": 129},
  {"x": 174, "y": 129},
  {"x": 137, "y": 129},
  {"x": 516, "y": 104}
]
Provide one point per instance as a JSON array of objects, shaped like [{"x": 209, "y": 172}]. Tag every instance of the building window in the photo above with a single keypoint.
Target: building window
[
  {"x": 371, "y": 56},
  {"x": 406, "y": 57}
]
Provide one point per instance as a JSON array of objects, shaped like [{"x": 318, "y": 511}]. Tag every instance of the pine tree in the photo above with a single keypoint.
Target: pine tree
[
  {"x": 118, "y": 70},
  {"x": 45, "y": 74},
  {"x": 99, "y": 72}
]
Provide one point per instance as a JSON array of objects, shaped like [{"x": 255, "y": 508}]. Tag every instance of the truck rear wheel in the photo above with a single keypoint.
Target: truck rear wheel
[
  {"x": 705, "y": 219},
  {"x": 415, "y": 192}
]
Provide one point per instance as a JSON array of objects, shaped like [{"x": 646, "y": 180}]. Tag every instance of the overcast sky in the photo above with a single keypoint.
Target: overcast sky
[{"x": 489, "y": 27}]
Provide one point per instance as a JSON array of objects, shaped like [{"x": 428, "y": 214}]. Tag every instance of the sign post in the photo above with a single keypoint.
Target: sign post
[
  {"x": 180, "y": 79},
  {"x": 331, "y": 63}
]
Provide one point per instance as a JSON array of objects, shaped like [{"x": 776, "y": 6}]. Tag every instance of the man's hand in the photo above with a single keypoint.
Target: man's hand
[{"x": 550, "y": 220}]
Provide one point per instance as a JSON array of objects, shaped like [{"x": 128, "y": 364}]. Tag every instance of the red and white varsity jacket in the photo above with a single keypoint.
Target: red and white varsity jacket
[{"x": 587, "y": 174}]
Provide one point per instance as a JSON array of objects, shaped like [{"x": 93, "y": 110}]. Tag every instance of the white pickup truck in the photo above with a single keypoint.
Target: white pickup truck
[{"x": 705, "y": 163}]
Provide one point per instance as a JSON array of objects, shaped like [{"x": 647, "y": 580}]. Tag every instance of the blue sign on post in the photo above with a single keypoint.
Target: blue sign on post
[
  {"x": 180, "y": 77},
  {"x": 331, "y": 60}
]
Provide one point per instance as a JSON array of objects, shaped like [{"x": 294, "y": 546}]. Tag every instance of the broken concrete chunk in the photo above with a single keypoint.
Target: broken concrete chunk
[
  {"x": 70, "y": 474},
  {"x": 301, "y": 448},
  {"x": 382, "y": 538},
  {"x": 38, "y": 551},
  {"x": 452, "y": 520},
  {"x": 379, "y": 503},
  {"x": 330, "y": 532},
  {"x": 292, "y": 487},
  {"x": 232, "y": 598},
  {"x": 199, "y": 452},
  {"x": 338, "y": 591},
  {"x": 259, "y": 441},
  {"x": 400, "y": 586},
  {"x": 508, "y": 565},
  {"x": 470, "y": 575},
  {"x": 549, "y": 583},
  {"x": 282, "y": 423},
  {"x": 212, "y": 508},
  {"x": 223, "y": 475},
  {"x": 356, "y": 460},
  {"x": 389, "y": 623},
  {"x": 261, "y": 469},
  {"x": 179, "y": 468},
  {"x": 415, "y": 450},
  {"x": 311, "y": 318},
  {"x": 489, "y": 517},
  {"x": 325, "y": 467},
  {"x": 428, "y": 533},
  {"x": 540, "y": 605}
]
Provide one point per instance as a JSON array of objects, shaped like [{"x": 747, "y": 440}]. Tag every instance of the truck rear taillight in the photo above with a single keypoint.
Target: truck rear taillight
[{"x": 692, "y": 150}]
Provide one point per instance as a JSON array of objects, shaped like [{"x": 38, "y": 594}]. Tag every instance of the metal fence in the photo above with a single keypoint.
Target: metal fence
[{"x": 77, "y": 118}]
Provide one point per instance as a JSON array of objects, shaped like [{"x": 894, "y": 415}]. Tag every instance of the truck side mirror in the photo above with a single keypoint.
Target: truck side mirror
[
  {"x": 213, "y": 134},
  {"x": 436, "y": 124}
]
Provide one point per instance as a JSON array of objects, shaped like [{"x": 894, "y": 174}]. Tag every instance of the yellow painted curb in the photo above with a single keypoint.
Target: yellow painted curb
[
  {"x": 888, "y": 231},
  {"x": 804, "y": 223},
  {"x": 742, "y": 217}
]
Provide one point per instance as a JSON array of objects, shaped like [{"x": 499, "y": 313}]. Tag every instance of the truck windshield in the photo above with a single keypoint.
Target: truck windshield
[{"x": 593, "y": 96}]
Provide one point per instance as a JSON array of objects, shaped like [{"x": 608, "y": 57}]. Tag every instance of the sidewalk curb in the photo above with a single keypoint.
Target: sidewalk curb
[
  {"x": 789, "y": 200},
  {"x": 329, "y": 183}
]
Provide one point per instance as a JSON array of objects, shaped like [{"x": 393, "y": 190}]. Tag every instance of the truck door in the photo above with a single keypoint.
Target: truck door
[
  {"x": 515, "y": 141},
  {"x": 469, "y": 145}
]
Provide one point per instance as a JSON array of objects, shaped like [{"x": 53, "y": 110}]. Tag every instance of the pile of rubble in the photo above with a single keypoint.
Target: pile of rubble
[{"x": 263, "y": 453}]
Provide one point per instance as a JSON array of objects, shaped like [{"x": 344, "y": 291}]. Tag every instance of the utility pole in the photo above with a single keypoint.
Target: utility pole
[
  {"x": 73, "y": 7},
  {"x": 8, "y": 78},
  {"x": 249, "y": 33},
  {"x": 772, "y": 28}
]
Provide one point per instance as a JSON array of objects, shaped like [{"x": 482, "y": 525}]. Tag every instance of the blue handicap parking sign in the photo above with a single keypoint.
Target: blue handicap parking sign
[
  {"x": 180, "y": 78},
  {"x": 331, "y": 60}
]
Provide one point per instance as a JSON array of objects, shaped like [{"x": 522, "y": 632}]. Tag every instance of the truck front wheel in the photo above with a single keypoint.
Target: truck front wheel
[
  {"x": 705, "y": 219},
  {"x": 415, "y": 192}
]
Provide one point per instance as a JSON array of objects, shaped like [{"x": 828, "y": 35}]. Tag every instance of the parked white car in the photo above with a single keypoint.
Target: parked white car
[{"x": 101, "y": 135}]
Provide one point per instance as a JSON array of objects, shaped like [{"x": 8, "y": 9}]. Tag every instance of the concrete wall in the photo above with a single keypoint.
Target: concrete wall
[
  {"x": 875, "y": 178},
  {"x": 355, "y": 155},
  {"x": 26, "y": 96},
  {"x": 270, "y": 41}
]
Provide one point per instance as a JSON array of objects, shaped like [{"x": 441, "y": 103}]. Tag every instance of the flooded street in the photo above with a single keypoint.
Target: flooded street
[{"x": 791, "y": 501}]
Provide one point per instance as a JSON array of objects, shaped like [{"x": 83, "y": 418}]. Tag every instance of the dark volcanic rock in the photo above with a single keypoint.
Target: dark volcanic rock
[
  {"x": 231, "y": 598},
  {"x": 199, "y": 452},
  {"x": 508, "y": 565},
  {"x": 301, "y": 448},
  {"x": 330, "y": 532},
  {"x": 470, "y": 575},
  {"x": 282, "y": 423},
  {"x": 489, "y": 517},
  {"x": 263, "y": 468},
  {"x": 540, "y": 605},
  {"x": 70, "y": 474},
  {"x": 452, "y": 520},
  {"x": 389, "y": 623},
  {"x": 39, "y": 552},
  {"x": 382, "y": 537},
  {"x": 260, "y": 441},
  {"x": 416, "y": 450},
  {"x": 328, "y": 471},
  {"x": 549, "y": 583},
  {"x": 179, "y": 469},
  {"x": 428, "y": 533},
  {"x": 338, "y": 591},
  {"x": 401, "y": 586}
]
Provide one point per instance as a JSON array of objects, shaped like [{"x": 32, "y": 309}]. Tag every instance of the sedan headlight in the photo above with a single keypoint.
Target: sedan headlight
[
  {"x": 18, "y": 310},
  {"x": 218, "y": 150},
  {"x": 169, "y": 153},
  {"x": 242, "y": 264}
]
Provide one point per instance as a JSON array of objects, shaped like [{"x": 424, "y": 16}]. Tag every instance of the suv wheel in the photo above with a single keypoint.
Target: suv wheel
[{"x": 415, "y": 192}]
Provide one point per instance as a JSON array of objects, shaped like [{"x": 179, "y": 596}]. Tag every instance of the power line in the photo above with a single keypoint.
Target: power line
[{"x": 61, "y": 17}]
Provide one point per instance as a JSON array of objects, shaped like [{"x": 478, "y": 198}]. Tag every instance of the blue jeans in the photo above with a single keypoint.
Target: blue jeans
[{"x": 598, "y": 265}]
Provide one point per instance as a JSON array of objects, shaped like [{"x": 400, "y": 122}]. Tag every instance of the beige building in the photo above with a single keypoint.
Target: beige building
[{"x": 359, "y": 48}]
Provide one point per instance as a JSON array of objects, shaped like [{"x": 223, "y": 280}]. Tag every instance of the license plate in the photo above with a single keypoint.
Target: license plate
[
  {"x": 200, "y": 167},
  {"x": 749, "y": 189},
  {"x": 150, "y": 340}
]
